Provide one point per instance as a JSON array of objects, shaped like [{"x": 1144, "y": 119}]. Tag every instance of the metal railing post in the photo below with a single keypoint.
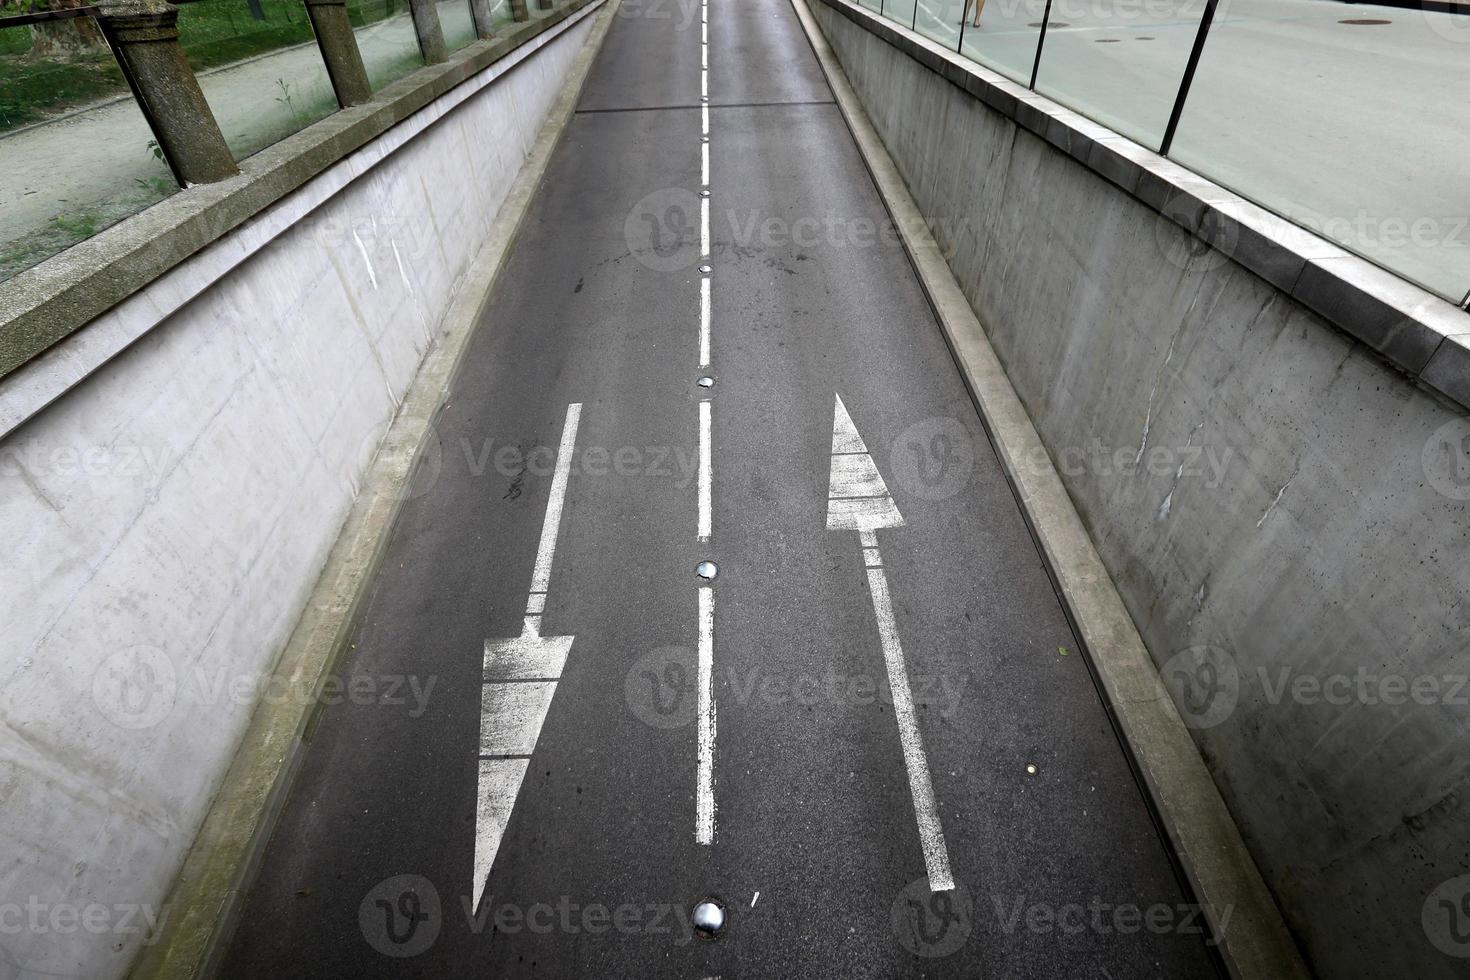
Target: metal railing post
[
  {"x": 1040, "y": 43},
  {"x": 339, "y": 49},
  {"x": 1194, "y": 55},
  {"x": 144, "y": 37}
]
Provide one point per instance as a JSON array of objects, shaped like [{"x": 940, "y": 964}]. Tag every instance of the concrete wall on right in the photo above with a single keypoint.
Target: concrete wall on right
[{"x": 1268, "y": 496}]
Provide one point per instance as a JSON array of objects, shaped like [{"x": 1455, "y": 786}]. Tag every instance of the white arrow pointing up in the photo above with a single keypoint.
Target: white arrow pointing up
[
  {"x": 520, "y": 680},
  {"x": 858, "y": 500},
  {"x": 857, "y": 497}
]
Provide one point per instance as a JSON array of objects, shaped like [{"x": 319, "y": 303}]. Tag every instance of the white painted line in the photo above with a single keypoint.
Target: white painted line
[
  {"x": 872, "y": 558},
  {"x": 704, "y": 111},
  {"x": 704, "y": 311},
  {"x": 756, "y": 899},
  {"x": 705, "y": 475},
  {"x": 704, "y": 221},
  {"x": 704, "y": 84},
  {"x": 536, "y": 603},
  {"x": 541, "y": 579},
  {"x": 704, "y": 815},
  {"x": 931, "y": 834}
]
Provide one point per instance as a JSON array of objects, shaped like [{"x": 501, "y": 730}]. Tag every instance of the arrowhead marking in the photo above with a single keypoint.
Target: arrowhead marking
[
  {"x": 857, "y": 497},
  {"x": 520, "y": 679}
]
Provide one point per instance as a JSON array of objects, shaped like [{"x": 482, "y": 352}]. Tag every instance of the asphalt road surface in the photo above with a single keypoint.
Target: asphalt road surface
[{"x": 870, "y": 738}]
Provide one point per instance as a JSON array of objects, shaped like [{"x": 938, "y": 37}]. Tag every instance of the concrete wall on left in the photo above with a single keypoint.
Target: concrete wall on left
[{"x": 164, "y": 521}]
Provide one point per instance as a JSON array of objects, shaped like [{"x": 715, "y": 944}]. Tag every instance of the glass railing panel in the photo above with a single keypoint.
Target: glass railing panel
[
  {"x": 75, "y": 149},
  {"x": 1343, "y": 119},
  {"x": 386, "y": 38},
  {"x": 1121, "y": 63},
  {"x": 259, "y": 68},
  {"x": 1002, "y": 35}
]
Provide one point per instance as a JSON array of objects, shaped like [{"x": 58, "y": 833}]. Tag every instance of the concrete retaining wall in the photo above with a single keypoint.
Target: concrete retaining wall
[
  {"x": 1272, "y": 499},
  {"x": 163, "y": 521}
]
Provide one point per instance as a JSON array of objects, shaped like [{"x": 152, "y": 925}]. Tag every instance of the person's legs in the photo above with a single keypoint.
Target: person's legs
[{"x": 979, "y": 6}]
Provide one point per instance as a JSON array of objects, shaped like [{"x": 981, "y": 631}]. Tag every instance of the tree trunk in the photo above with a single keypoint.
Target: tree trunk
[{"x": 69, "y": 38}]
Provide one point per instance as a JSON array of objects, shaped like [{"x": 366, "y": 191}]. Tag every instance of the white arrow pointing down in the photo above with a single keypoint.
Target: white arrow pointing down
[{"x": 519, "y": 682}]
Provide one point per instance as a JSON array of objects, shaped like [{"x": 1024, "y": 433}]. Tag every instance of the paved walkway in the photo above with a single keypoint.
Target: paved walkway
[{"x": 867, "y": 733}]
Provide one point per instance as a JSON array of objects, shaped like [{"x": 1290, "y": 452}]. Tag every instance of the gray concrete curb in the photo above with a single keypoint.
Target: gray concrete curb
[
  {"x": 1254, "y": 941},
  {"x": 204, "y": 903}
]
